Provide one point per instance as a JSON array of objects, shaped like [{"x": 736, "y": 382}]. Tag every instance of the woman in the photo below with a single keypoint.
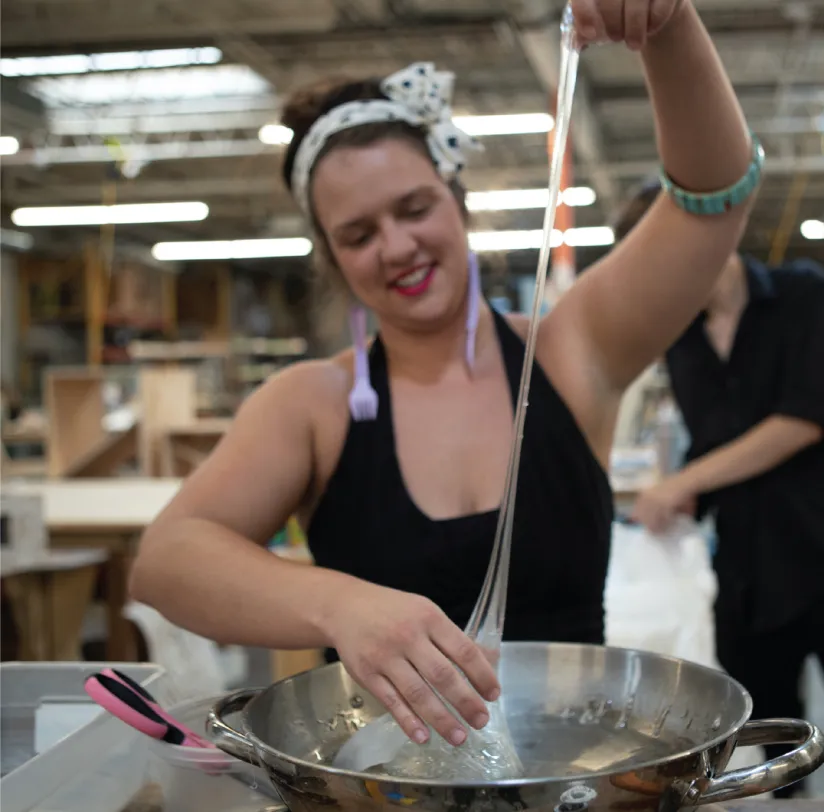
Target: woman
[{"x": 400, "y": 503}]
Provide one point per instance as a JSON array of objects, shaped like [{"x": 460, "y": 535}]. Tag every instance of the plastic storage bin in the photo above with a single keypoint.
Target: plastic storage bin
[
  {"x": 193, "y": 779},
  {"x": 52, "y": 732}
]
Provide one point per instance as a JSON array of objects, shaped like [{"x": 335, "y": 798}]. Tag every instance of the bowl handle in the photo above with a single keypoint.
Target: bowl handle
[
  {"x": 807, "y": 757},
  {"x": 228, "y": 739}
]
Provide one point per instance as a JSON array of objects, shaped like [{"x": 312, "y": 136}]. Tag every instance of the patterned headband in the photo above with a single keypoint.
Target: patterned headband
[{"x": 418, "y": 95}]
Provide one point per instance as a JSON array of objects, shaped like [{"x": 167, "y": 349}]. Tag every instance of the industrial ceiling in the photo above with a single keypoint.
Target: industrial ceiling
[{"x": 189, "y": 128}]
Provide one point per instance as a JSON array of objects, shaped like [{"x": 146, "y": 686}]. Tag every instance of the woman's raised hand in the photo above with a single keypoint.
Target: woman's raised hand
[
  {"x": 629, "y": 21},
  {"x": 400, "y": 646}
]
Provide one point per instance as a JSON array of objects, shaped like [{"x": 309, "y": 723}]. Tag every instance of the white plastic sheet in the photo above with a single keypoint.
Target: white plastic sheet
[
  {"x": 660, "y": 592},
  {"x": 192, "y": 663},
  {"x": 659, "y": 597}
]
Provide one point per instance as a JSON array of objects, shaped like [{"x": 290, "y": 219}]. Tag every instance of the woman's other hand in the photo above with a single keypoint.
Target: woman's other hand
[
  {"x": 658, "y": 507},
  {"x": 629, "y": 21},
  {"x": 400, "y": 646}
]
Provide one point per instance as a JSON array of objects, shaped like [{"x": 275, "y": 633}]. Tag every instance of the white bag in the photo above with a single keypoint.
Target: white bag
[
  {"x": 660, "y": 593},
  {"x": 193, "y": 664},
  {"x": 659, "y": 597}
]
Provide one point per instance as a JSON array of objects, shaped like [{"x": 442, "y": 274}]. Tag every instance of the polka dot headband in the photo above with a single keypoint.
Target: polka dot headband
[{"x": 418, "y": 95}]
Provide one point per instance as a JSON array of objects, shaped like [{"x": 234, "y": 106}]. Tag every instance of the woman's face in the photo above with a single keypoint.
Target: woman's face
[{"x": 395, "y": 231}]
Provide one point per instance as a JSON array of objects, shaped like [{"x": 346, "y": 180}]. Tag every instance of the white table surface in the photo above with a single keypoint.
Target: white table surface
[
  {"x": 126, "y": 503},
  {"x": 104, "y": 504},
  {"x": 51, "y": 561}
]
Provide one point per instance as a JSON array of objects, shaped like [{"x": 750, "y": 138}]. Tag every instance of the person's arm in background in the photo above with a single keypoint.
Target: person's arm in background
[
  {"x": 629, "y": 307},
  {"x": 764, "y": 447},
  {"x": 797, "y": 424}
]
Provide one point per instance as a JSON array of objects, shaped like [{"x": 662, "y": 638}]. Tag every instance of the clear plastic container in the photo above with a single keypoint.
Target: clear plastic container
[
  {"x": 193, "y": 779},
  {"x": 52, "y": 732}
]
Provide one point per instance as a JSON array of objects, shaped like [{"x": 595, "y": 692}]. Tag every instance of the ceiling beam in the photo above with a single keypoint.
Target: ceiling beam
[
  {"x": 118, "y": 25},
  {"x": 233, "y": 41},
  {"x": 145, "y": 153},
  {"x": 17, "y": 190},
  {"x": 774, "y": 165}
]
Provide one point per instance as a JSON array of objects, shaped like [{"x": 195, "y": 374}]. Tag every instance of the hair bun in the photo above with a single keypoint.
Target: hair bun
[{"x": 306, "y": 104}]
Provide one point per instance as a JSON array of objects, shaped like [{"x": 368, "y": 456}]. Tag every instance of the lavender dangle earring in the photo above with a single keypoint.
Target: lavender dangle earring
[
  {"x": 473, "y": 309},
  {"x": 363, "y": 399}
]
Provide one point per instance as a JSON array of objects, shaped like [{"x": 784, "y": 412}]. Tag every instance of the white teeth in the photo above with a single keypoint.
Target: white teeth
[{"x": 412, "y": 279}]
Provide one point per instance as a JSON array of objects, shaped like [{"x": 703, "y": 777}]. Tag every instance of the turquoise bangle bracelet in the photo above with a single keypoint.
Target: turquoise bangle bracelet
[{"x": 710, "y": 203}]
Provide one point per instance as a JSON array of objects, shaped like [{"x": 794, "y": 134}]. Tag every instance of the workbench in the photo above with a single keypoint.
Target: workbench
[
  {"x": 103, "y": 514},
  {"x": 111, "y": 515}
]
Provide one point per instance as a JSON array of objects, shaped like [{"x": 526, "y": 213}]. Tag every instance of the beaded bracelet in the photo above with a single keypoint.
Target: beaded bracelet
[{"x": 726, "y": 199}]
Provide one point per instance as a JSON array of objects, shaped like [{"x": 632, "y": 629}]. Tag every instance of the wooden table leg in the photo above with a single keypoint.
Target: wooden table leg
[
  {"x": 25, "y": 595},
  {"x": 121, "y": 642},
  {"x": 72, "y": 593},
  {"x": 168, "y": 467},
  {"x": 288, "y": 663},
  {"x": 49, "y": 608},
  {"x": 121, "y": 645}
]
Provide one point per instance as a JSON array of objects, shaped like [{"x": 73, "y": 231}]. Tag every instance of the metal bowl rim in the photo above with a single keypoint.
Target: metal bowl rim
[{"x": 384, "y": 778}]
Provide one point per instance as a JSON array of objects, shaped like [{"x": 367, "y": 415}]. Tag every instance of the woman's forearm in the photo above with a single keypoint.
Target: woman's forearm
[
  {"x": 631, "y": 305},
  {"x": 702, "y": 134},
  {"x": 764, "y": 447},
  {"x": 219, "y": 585}
]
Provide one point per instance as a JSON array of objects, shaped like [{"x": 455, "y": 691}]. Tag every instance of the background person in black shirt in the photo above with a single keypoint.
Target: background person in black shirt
[{"x": 748, "y": 377}]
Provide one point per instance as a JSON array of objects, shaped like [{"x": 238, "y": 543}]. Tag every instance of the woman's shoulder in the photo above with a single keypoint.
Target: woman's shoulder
[{"x": 311, "y": 383}]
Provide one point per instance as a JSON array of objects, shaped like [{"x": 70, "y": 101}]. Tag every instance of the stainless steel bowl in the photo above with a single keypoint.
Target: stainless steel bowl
[{"x": 597, "y": 728}]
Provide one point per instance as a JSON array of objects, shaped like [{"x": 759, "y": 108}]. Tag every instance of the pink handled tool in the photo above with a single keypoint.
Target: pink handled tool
[
  {"x": 192, "y": 738},
  {"x": 133, "y": 704},
  {"x": 128, "y": 705}
]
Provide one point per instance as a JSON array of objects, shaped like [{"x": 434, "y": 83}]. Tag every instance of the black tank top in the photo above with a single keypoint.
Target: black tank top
[{"x": 368, "y": 526}]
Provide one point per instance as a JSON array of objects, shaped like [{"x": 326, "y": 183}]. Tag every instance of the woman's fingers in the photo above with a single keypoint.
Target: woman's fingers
[
  {"x": 588, "y": 22},
  {"x": 472, "y": 660},
  {"x": 409, "y": 655},
  {"x": 629, "y": 21},
  {"x": 636, "y": 23},
  {"x": 453, "y": 686},
  {"x": 411, "y": 724},
  {"x": 423, "y": 701},
  {"x": 660, "y": 13}
]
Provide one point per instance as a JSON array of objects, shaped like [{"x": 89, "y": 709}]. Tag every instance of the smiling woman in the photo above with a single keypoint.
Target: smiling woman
[
  {"x": 399, "y": 500},
  {"x": 403, "y": 145}
]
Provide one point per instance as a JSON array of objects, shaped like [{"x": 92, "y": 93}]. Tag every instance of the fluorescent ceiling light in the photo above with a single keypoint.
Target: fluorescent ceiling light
[
  {"x": 591, "y": 236},
  {"x": 9, "y": 145},
  {"x": 101, "y": 215},
  {"x": 67, "y": 64},
  {"x": 301, "y": 246},
  {"x": 505, "y": 124},
  {"x": 508, "y": 199},
  {"x": 510, "y": 240},
  {"x": 232, "y": 249},
  {"x": 578, "y": 196},
  {"x": 199, "y": 82},
  {"x": 813, "y": 229},
  {"x": 275, "y": 134},
  {"x": 472, "y": 125},
  {"x": 521, "y": 240}
]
